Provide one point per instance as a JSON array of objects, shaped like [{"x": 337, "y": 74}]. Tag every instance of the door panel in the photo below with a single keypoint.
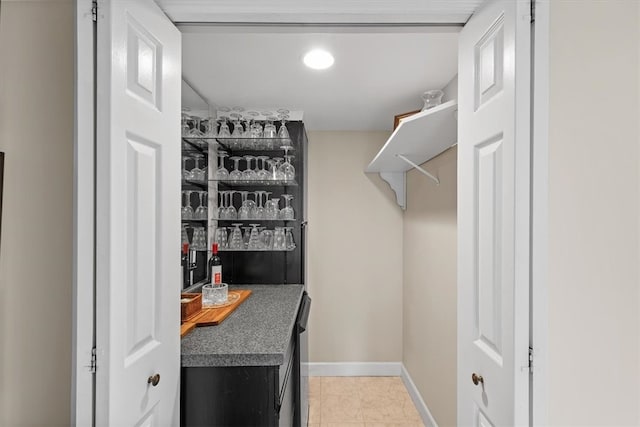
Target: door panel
[
  {"x": 138, "y": 223},
  {"x": 493, "y": 215}
]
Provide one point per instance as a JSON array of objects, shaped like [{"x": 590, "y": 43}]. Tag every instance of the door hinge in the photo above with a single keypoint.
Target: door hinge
[
  {"x": 530, "y": 360},
  {"x": 94, "y": 11},
  {"x": 93, "y": 365},
  {"x": 533, "y": 11}
]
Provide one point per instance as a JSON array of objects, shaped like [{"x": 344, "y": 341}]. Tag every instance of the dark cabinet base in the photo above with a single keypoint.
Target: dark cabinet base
[{"x": 240, "y": 396}]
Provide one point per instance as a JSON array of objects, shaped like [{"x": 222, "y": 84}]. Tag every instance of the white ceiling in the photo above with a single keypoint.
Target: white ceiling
[{"x": 378, "y": 72}]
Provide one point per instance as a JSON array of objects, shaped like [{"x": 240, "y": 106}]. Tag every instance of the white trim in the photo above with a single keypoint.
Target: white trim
[
  {"x": 82, "y": 403},
  {"x": 355, "y": 369},
  {"x": 540, "y": 210},
  {"x": 422, "y": 407}
]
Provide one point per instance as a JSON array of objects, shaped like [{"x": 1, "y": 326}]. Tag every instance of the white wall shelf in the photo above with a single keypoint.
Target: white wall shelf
[{"x": 417, "y": 139}]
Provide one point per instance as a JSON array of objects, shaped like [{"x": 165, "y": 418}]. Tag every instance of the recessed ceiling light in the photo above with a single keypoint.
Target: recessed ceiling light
[{"x": 318, "y": 59}]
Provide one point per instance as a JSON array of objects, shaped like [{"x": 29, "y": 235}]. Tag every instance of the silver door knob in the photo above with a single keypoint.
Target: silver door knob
[
  {"x": 477, "y": 379},
  {"x": 154, "y": 380}
]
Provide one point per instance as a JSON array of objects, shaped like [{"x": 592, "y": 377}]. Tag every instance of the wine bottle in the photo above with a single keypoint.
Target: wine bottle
[{"x": 215, "y": 266}]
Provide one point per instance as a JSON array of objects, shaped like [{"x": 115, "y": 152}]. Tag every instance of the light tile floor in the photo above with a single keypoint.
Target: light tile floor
[{"x": 360, "y": 402}]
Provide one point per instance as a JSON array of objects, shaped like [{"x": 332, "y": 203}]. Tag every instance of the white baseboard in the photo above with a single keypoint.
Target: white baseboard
[
  {"x": 355, "y": 369},
  {"x": 427, "y": 418}
]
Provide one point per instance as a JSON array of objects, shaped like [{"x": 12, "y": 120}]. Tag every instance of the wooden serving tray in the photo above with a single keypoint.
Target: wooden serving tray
[
  {"x": 186, "y": 327},
  {"x": 215, "y": 316}
]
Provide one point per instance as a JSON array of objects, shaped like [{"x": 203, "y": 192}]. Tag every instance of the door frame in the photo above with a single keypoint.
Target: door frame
[{"x": 83, "y": 326}]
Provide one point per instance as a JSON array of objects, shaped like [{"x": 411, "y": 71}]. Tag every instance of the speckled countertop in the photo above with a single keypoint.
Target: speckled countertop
[{"x": 257, "y": 333}]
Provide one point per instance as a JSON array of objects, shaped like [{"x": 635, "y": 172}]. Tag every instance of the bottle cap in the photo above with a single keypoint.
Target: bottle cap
[
  {"x": 214, "y": 248},
  {"x": 185, "y": 248}
]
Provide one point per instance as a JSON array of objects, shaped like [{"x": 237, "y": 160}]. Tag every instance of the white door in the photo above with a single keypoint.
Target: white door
[
  {"x": 493, "y": 215},
  {"x": 138, "y": 220}
]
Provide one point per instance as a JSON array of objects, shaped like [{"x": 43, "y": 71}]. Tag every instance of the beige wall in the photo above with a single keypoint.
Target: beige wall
[
  {"x": 36, "y": 133},
  {"x": 593, "y": 375},
  {"x": 430, "y": 286},
  {"x": 354, "y": 253}
]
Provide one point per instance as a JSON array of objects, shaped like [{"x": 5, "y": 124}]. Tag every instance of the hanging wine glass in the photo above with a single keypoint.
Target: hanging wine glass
[
  {"x": 187, "y": 210},
  {"x": 287, "y": 212},
  {"x": 245, "y": 209},
  {"x": 201, "y": 212},
  {"x": 272, "y": 210},
  {"x": 259, "y": 212},
  {"x": 287, "y": 169},
  {"x": 210, "y": 127},
  {"x": 230, "y": 211},
  {"x": 222, "y": 173},
  {"x": 221, "y": 205},
  {"x": 195, "y": 133},
  {"x": 283, "y": 132},
  {"x": 248, "y": 174},
  {"x": 184, "y": 235},
  {"x": 235, "y": 174},
  {"x": 186, "y": 174},
  {"x": 221, "y": 237},
  {"x": 197, "y": 174},
  {"x": 279, "y": 243},
  {"x": 199, "y": 241},
  {"x": 245, "y": 237},
  {"x": 185, "y": 125},
  {"x": 276, "y": 173},
  {"x": 262, "y": 174},
  {"x": 223, "y": 132},
  {"x": 236, "y": 135}
]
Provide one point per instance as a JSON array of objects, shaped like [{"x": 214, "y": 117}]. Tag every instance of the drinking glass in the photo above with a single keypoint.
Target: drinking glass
[
  {"x": 235, "y": 241},
  {"x": 199, "y": 241},
  {"x": 186, "y": 174},
  {"x": 210, "y": 127},
  {"x": 262, "y": 174},
  {"x": 246, "y": 236},
  {"x": 248, "y": 174},
  {"x": 259, "y": 211},
  {"x": 197, "y": 174},
  {"x": 235, "y": 174},
  {"x": 283, "y": 132},
  {"x": 289, "y": 244},
  {"x": 201, "y": 212},
  {"x": 266, "y": 236},
  {"x": 272, "y": 210},
  {"x": 195, "y": 131},
  {"x": 236, "y": 135},
  {"x": 230, "y": 211},
  {"x": 222, "y": 173},
  {"x": 269, "y": 134},
  {"x": 254, "y": 238},
  {"x": 287, "y": 169},
  {"x": 245, "y": 209},
  {"x": 224, "y": 132},
  {"x": 184, "y": 235},
  {"x": 185, "y": 125},
  {"x": 276, "y": 173},
  {"x": 279, "y": 243},
  {"x": 247, "y": 141},
  {"x": 187, "y": 210},
  {"x": 287, "y": 212},
  {"x": 221, "y": 237}
]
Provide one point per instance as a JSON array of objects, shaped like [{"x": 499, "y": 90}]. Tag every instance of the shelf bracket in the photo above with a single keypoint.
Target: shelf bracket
[
  {"x": 423, "y": 171},
  {"x": 396, "y": 181}
]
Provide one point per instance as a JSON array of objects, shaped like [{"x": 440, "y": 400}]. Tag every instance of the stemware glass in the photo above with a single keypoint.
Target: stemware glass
[
  {"x": 287, "y": 169},
  {"x": 276, "y": 173},
  {"x": 224, "y": 132},
  {"x": 195, "y": 131},
  {"x": 248, "y": 174},
  {"x": 235, "y": 174},
  {"x": 201, "y": 212},
  {"x": 259, "y": 212},
  {"x": 187, "y": 210},
  {"x": 184, "y": 126},
  {"x": 287, "y": 212},
  {"x": 283, "y": 132},
  {"x": 245, "y": 210},
  {"x": 210, "y": 127},
  {"x": 222, "y": 173},
  {"x": 235, "y": 241},
  {"x": 184, "y": 235},
  {"x": 186, "y": 174},
  {"x": 269, "y": 133},
  {"x": 247, "y": 141},
  {"x": 289, "y": 243},
  {"x": 262, "y": 174},
  {"x": 197, "y": 174},
  {"x": 230, "y": 211},
  {"x": 222, "y": 206},
  {"x": 254, "y": 238}
]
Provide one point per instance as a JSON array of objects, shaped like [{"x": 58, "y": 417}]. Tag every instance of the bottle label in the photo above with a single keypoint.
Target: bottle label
[{"x": 216, "y": 275}]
